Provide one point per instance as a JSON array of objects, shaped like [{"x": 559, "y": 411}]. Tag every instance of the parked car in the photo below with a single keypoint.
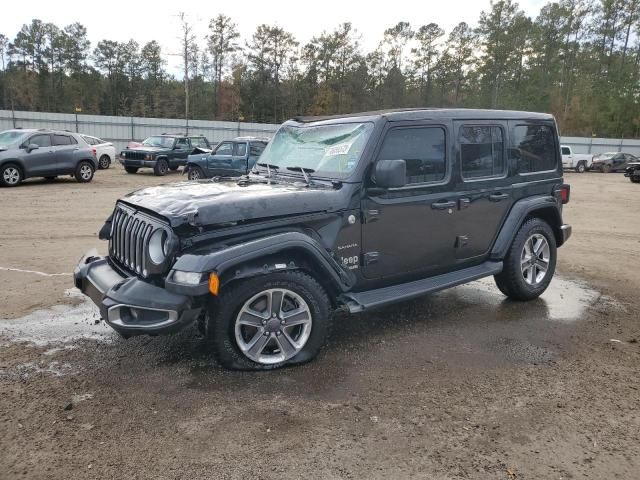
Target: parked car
[
  {"x": 342, "y": 213},
  {"x": 612, "y": 161},
  {"x": 580, "y": 162},
  {"x": 27, "y": 153},
  {"x": 162, "y": 152},
  {"x": 633, "y": 172},
  {"x": 230, "y": 158},
  {"x": 105, "y": 151}
]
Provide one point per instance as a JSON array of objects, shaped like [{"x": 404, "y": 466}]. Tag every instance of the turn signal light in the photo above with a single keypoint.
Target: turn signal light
[{"x": 214, "y": 284}]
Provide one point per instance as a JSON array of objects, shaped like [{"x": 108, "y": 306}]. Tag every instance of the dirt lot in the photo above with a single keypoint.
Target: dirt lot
[{"x": 461, "y": 384}]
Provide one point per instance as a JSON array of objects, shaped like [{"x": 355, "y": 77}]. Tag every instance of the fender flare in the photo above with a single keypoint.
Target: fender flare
[
  {"x": 516, "y": 217},
  {"x": 224, "y": 260}
]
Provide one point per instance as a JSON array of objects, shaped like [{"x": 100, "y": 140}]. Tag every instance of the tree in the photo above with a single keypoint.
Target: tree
[
  {"x": 187, "y": 42},
  {"x": 221, "y": 43},
  {"x": 425, "y": 56}
]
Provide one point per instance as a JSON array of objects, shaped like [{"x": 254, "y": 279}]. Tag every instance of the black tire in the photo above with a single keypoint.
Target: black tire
[
  {"x": 511, "y": 281},
  {"x": 606, "y": 169},
  {"x": 634, "y": 179},
  {"x": 131, "y": 170},
  {"x": 11, "y": 175},
  {"x": 84, "y": 172},
  {"x": 220, "y": 323},
  {"x": 173, "y": 169},
  {"x": 581, "y": 167},
  {"x": 104, "y": 162},
  {"x": 161, "y": 167},
  {"x": 195, "y": 173}
]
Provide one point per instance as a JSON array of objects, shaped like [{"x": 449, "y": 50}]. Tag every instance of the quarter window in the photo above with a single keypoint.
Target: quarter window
[
  {"x": 423, "y": 150},
  {"x": 534, "y": 148},
  {"x": 481, "y": 151},
  {"x": 199, "y": 142},
  {"x": 40, "y": 140}
]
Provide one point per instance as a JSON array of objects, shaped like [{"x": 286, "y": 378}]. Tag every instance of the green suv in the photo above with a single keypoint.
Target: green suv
[{"x": 162, "y": 152}]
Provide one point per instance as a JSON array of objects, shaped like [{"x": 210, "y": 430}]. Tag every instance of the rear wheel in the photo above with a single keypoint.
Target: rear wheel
[
  {"x": 161, "y": 167},
  {"x": 581, "y": 167},
  {"x": 104, "y": 162},
  {"x": 84, "y": 172},
  {"x": 530, "y": 263},
  {"x": 195, "y": 173},
  {"x": 10, "y": 175},
  {"x": 269, "y": 321},
  {"x": 131, "y": 169}
]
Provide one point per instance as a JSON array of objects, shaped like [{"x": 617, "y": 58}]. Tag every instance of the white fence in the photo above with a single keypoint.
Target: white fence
[{"x": 120, "y": 130}]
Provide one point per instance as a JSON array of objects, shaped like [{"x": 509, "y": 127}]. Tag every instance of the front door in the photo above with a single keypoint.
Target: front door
[
  {"x": 410, "y": 229},
  {"x": 40, "y": 161},
  {"x": 219, "y": 162}
]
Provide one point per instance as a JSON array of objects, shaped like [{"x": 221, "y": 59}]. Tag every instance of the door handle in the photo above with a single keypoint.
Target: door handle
[
  {"x": 497, "y": 197},
  {"x": 443, "y": 205}
]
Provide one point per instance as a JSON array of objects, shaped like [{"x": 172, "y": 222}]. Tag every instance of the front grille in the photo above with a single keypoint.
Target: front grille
[
  {"x": 135, "y": 155},
  {"x": 130, "y": 234}
]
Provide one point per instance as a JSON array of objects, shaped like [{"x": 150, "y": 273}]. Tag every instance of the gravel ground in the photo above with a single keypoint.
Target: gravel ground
[{"x": 460, "y": 384}]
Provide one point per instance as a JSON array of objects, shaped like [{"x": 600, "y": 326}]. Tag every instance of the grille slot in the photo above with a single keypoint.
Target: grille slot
[
  {"x": 130, "y": 234},
  {"x": 135, "y": 155}
]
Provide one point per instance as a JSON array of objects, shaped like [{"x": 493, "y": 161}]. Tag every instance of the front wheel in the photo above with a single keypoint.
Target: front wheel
[
  {"x": 581, "y": 167},
  {"x": 195, "y": 173},
  {"x": 161, "y": 167},
  {"x": 530, "y": 263},
  {"x": 634, "y": 179},
  {"x": 10, "y": 175},
  {"x": 84, "y": 172},
  {"x": 268, "y": 321},
  {"x": 606, "y": 169}
]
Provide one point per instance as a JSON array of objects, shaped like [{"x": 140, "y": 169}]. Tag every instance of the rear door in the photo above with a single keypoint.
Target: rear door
[
  {"x": 181, "y": 150},
  {"x": 42, "y": 160},
  {"x": 65, "y": 147},
  {"x": 483, "y": 186}
]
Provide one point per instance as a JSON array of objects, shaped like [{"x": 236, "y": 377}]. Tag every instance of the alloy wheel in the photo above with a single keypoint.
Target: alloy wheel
[
  {"x": 534, "y": 261},
  {"x": 11, "y": 175},
  {"x": 273, "y": 326},
  {"x": 85, "y": 172}
]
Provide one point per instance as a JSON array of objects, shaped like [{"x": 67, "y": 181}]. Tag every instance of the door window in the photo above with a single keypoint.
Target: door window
[
  {"x": 225, "y": 148},
  {"x": 62, "y": 140},
  {"x": 481, "y": 151},
  {"x": 240, "y": 149},
  {"x": 534, "y": 148},
  {"x": 40, "y": 140},
  {"x": 423, "y": 150},
  {"x": 199, "y": 142}
]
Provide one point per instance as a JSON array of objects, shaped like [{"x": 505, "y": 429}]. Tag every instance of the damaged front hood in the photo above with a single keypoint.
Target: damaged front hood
[{"x": 210, "y": 203}]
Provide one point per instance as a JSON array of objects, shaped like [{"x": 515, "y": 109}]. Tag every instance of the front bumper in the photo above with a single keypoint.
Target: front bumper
[
  {"x": 131, "y": 306},
  {"x": 127, "y": 162}
]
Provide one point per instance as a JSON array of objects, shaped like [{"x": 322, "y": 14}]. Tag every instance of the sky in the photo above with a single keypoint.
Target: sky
[{"x": 144, "y": 21}]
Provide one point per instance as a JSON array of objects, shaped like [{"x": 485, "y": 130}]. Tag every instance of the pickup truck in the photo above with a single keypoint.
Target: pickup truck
[{"x": 580, "y": 162}]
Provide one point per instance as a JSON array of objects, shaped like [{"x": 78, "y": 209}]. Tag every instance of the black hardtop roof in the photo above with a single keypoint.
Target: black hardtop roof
[{"x": 431, "y": 113}]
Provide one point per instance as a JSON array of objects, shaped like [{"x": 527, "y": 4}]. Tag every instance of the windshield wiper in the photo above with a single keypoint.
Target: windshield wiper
[
  {"x": 305, "y": 171},
  {"x": 268, "y": 166}
]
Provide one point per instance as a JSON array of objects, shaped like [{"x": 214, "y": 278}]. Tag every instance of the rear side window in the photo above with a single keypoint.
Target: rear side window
[
  {"x": 422, "y": 148},
  {"x": 182, "y": 143},
  {"x": 534, "y": 148},
  {"x": 199, "y": 142},
  {"x": 240, "y": 149},
  {"x": 481, "y": 151},
  {"x": 255, "y": 149},
  {"x": 60, "y": 140},
  {"x": 566, "y": 151},
  {"x": 40, "y": 140}
]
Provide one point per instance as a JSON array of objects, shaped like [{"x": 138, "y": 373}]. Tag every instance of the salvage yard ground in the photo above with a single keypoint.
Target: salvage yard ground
[{"x": 461, "y": 384}]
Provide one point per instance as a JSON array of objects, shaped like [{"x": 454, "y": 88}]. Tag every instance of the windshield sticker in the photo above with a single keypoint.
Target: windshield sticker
[{"x": 339, "y": 149}]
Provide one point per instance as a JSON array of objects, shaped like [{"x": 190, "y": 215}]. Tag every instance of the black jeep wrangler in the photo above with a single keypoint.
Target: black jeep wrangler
[
  {"x": 162, "y": 152},
  {"x": 349, "y": 213}
]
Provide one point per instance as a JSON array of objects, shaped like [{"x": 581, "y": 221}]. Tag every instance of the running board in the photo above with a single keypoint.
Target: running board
[{"x": 360, "y": 301}]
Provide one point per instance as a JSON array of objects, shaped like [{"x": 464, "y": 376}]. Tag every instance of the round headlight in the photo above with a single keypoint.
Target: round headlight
[
  {"x": 123, "y": 154},
  {"x": 158, "y": 246}
]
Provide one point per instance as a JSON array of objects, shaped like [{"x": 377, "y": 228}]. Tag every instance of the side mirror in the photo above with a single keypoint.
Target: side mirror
[
  {"x": 32, "y": 146},
  {"x": 390, "y": 173}
]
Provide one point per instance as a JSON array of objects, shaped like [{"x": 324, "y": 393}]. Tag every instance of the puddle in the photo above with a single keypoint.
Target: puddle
[{"x": 60, "y": 324}]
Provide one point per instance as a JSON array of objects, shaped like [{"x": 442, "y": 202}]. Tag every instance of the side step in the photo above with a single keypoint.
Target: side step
[{"x": 360, "y": 301}]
